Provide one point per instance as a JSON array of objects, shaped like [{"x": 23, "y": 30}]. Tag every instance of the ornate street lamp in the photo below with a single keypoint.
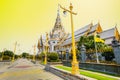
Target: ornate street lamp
[
  {"x": 46, "y": 49},
  {"x": 34, "y": 52},
  {"x": 75, "y": 67},
  {"x": 2, "y": 56},
  {"x": 13, "y": 58}
]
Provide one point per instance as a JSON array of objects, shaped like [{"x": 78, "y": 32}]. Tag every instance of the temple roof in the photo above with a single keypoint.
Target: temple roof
[
  {"x": 81, "y": 31},
  {"x": 78, "y": 33},
  {"x": 107, "y": 33},
  {"x": 109, "y": 40},
  {"x": 94, "y": 27},
  {"x": 58, "y": 31}
]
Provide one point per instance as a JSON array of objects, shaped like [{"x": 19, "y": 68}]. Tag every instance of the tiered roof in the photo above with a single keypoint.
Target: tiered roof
[
  {"x": 78, "y": 33},
  {"x": 108, "y": 35}
]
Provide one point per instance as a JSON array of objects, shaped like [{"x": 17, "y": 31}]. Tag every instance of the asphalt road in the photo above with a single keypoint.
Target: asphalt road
[{"x": 23, "y": 69}]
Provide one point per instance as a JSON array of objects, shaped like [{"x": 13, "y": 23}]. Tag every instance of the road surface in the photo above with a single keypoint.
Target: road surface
[{"x": 23, "y": 69}]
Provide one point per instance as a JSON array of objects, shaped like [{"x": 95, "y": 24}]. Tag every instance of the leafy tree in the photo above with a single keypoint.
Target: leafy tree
[
  {"x": 16, "y": 56},
  {"x": 25, "y": 55},
  {"x": 0, "y": 54},
  {"x": 81, "y": 41},
  {"x": 89, "y": 43},
  {"x": 53, "y": 57},
  {"x": 108, "y": 53},
  {"x": 42, "y": 56},
  {"x": 30, "y": 56},
  {"x": 6, "y": 57},
  {"x": 8, "y": 53}
]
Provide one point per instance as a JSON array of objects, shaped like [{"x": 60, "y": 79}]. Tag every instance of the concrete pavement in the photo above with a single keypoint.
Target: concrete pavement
[{"x": 23, "y": 69}]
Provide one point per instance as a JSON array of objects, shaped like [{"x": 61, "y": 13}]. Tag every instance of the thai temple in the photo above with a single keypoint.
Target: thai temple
[{"x": 60, "y": 41}]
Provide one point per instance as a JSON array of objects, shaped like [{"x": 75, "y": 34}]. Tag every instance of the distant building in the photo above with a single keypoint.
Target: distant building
[{"x": 60, "y": 41}]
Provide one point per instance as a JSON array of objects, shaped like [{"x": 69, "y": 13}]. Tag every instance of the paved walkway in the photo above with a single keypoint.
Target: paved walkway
[{"x": 23, "y": 69}]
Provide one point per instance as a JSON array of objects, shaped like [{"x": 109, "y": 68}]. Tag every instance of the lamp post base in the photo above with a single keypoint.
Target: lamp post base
[
  {"x": 1, "y": 59},
  {"x": 75, "y": 67},
  {"x": 13, "y": 60},
  {"x": 45, "y": 62},
  {"x": 33, "y": 60}
]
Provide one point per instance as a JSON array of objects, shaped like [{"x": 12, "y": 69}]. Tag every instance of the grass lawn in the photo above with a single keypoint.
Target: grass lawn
[{"x": 91, "y": 74}]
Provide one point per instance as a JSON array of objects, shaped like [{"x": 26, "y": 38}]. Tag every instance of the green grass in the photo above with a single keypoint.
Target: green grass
[
  {"x": 88, "y": 73},
  {"x": 115, "y": 75}
]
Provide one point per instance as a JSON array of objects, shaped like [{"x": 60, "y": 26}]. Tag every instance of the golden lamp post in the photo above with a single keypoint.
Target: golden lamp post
[
  {"x": 34, "y": 52},
  {"x": 13, "y": 58},
  {"x": 46, "y": 49},
  {"x": 75, "y": 68},
  {"x": 19, "y": 53},
  {"x": 2, "y": 56},
  {"x": 29, "y": 55}
]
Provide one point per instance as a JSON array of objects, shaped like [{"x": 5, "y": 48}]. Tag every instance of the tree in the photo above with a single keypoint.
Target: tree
[
  {"x": 89, "y": 43},
  {"x": 16, "y": 56},
  {"x": 53, "y": 57},
  {"x": 81, "y": 41},
  {"x": 42, "y": 55},
  {"x": 108, "y": 53},
  {"x": 0, "y": 54},
  {"x": 25, "y": 55},
  {"x": 8, "y": 53}
]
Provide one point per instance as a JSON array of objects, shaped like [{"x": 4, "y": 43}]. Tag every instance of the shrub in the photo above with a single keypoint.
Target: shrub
[
  {"x": 25, "y": 55},
  {"x": 1, "y": 54},
  {"x": 41, "y": 56},
  {"x": 6, "y": 58},
  {"x": 53, "y": 57}
]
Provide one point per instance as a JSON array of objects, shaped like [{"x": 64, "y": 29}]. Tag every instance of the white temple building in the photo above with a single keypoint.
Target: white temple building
[{"x": 60, "y": 41}]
